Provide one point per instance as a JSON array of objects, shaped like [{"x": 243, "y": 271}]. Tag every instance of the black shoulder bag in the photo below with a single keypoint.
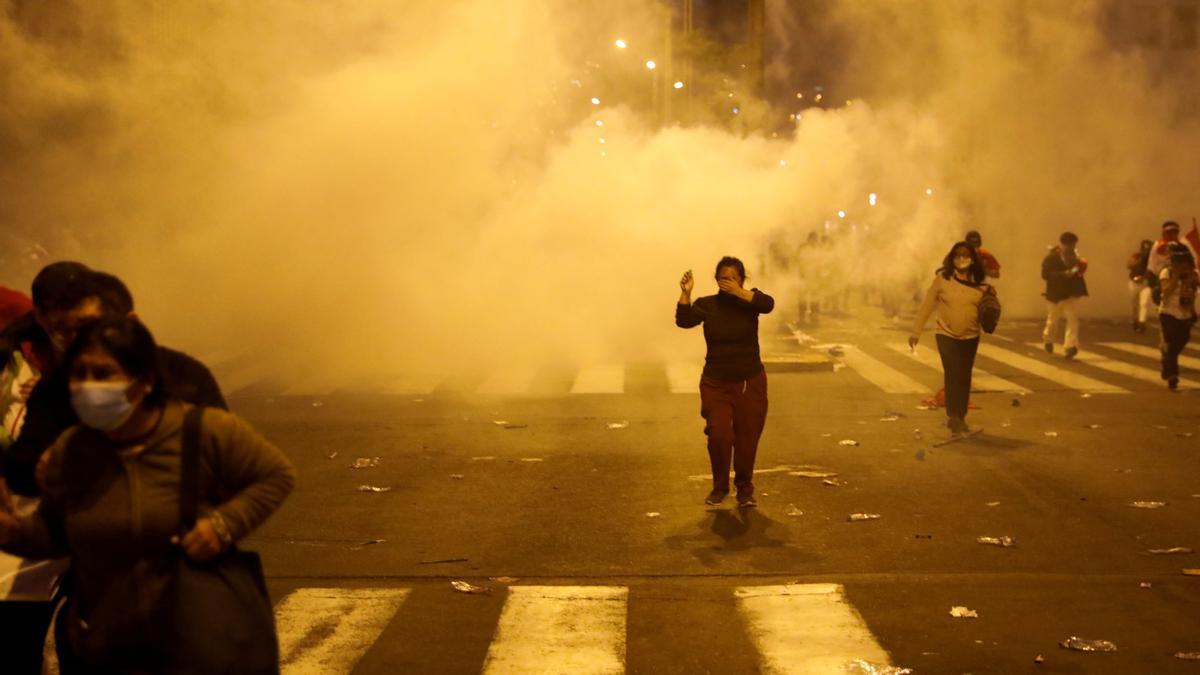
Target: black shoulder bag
[
  {"x": 221, "y": 613},
  {"x": 989, "y": 309}
]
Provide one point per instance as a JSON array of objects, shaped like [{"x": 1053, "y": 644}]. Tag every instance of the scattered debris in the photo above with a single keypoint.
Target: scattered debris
[
  {"x": 365, "y": 463},
  {"x": 1145, "y": 584},
  {"x": 505, "y": 580},
  {"x": 826, "y": 435},
  {"x": 793, "y": 511},
  {"x": 922, "y": 536},
  {"x": 373, "y": 488},
  {"x": 457, "y": 476},
  {"x": 1160, "y": 427},
  {"x": 920, "y": 455},
  {"x": 864, "y": 667},
  {"x": 1123, "y": 470},
  {"x": 1188, "y": 656},
  {"x": 890, "y": 418},
  {"x": 333, "y": 455},
  {"x": 1016, "y": 403},
  {"x": 369, "y": 542},
  {"x": 812, "y": 474},
  {"x": 418, "y": 400},
  {"x": 1081, "y": 645},
  {"x": 1147, "y": 505},
  {"x": 1184, "y": 434},
  {"x": 485, "y": 458},
  {"x": 653, "y": 514},
  {"x": 505, "y": 424},
  {"x": 1191, "y": 572},
  {"x": 532, "y": 459},
  {"x": 1039, "y": 659},
  {"x": 623, "y": 424},
  {"x": 317, "y": 404},
  {"x": 1170, "y": 551},
  {"x": 443, "y": 561},
  {"x": 1005, "y": 542},
  {"x": 916, "y": 434},
  {"x": 993, "y": 503},
  {"x": 834, "y": 482},
  {"x": 1091, "y": 426},
  {"x": 1005, "y": 425},
  {"x": 470, "y": 589},
  {"x": 1085, "y": 396},
  {"x": 855, "y": 517},
  {"x": 1051, "y": 434},
  {"x": 960, "y": 612}
]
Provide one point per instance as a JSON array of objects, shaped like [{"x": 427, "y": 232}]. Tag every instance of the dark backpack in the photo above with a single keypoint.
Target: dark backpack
[{"x": 989, "y": 309}]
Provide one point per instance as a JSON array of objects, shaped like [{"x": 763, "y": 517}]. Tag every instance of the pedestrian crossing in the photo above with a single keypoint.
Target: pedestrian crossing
[
  {"x": 796, "y": 628},
  {"x": 1004, "y": 366}
]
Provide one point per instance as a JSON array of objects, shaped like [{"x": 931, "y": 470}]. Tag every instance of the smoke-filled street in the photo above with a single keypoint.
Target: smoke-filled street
[{"x": 604, "y": 490}]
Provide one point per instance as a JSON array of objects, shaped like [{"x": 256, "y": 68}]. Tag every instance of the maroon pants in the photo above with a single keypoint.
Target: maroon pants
[{"x": 735, "y": 414}]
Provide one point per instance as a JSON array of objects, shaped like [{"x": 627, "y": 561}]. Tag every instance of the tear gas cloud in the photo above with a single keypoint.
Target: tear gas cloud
[{"x": 347, "y": 189}]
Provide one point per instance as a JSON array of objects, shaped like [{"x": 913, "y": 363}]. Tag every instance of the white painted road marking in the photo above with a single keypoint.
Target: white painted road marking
[
  {"x": 807, "y": 628},
  {"x": 874, "y": 371},
  {"x": 602, "y": 379},
  {"x": 981, "y": 380},
  {"x": 1067, "y": 378},
  {"x": 507, "y": 381},
  {"x": 684, "y": 377},
  {"x": 560, "y": 629},
  {"x": 1150, "y": 352},
  {"x": 1114, "y": 366},
  {"x": 327, "y": 630}
]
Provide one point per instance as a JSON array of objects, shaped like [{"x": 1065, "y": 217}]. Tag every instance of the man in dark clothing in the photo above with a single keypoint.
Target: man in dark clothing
[
  {"x": 733, "y": 386},
  {"x": 1140, "y": 286},
  {"x": 49, "y": 412},
  {"x": 1063, "y": 270}
]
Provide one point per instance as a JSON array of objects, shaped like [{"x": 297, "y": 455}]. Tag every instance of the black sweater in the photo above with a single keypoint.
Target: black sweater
[
  {"x": 48, "y": 412},
  {"x": 731, "y": 331}
]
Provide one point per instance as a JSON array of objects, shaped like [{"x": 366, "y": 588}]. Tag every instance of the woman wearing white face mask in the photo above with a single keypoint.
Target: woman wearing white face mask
[
  {"x": 955, "y": 294},
  {"x": 112, "y": 503}
]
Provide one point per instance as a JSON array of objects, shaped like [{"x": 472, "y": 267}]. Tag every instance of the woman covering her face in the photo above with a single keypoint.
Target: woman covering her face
[{"x": 111, "y": 499}]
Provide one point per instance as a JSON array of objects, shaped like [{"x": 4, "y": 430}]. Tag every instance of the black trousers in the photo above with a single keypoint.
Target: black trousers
[
  {"x": 1175, "y": 336},
  {"x": 958, "y": 358}
]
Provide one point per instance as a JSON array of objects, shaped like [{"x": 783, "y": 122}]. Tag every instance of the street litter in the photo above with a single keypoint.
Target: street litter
[
  {"x": 1145, "y": 584},
  {"x": 1039, "y": 659},
  {"x": 863, "y": 667},
  {"x": 1091, "y": 426},
  {"x": 1085, "y": 396},
  {"x": 1005, "y": 542},
  {"x": 532, "y": 459},
  {"x": 1188, "y": 656},
  {"x": 1051, "y": 434},
  {"x": 333, "y": 454},
  {"x": 922, "y": 536},
  {"x": 443, "y": 561},
  {"x": 509, "y": 425},
  {"x": 993, "y": 503},
  {"x": 793, "y": 511},
  {"x": 464, "y": 587},
  {"x": 504, "y": 580},
  {"x": 960, "y": 612},
  {"x": 1147, "y": 505},
  {"x": 369, "y": 542},
  {"x": 1184, "y": 434},
  {"x": 826, "y": 435},
  {"x": 847, "y": 442},
  {"x": 1016, "y": 403},
  {"x": 317, "y": 404},
  {"x": 1191, "y": 572},
  {"x": 834, "y": 482},
  {"x": 1005, "y": 425},
  {"x": 457, "y": 476},
  {"x": 486, "y": 458},
  {"x": 365, "y": 463},
  {"x": 855, "y": 517},
  {"x": 653, "y": 514},
  {"x": 1081, "y": 645},
  {"x": 1171, "y": 551},
  {"x": 889, "y": 418},
  {"x": 418, "y": 400},
  {"x": 920, "y": 455},
  {"x": 917, "y": 434},
  {"x": 373, "y": 488},
  {"x": 812, "y": 474},
  {"x": 618, "y": 425},
  {"x": 1160, "y": 427}
]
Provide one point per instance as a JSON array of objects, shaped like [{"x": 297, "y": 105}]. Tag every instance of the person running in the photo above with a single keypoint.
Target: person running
[
  {"x": 1139, "y": 285},
  {"x": 733, "y": 386},
  {"x": 991, "y": 266},
  {"x": 1063, "y": 270},
  {"x": 955, "y": 293},
  {"x": 1177, "y": 312}
]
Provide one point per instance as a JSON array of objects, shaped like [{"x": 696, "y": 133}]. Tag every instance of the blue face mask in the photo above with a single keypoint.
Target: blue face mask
[{"x": 102, "y": 405}]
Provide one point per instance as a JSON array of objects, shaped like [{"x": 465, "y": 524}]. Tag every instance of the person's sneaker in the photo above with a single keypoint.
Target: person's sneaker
[
  {"x": 1049, "y": 347},
  {"x": 746, "y": 500},
  {"x": 957, "y": 425},
  {"x": 1173, "y": 384},
  {"x": 716, "y": 497},
  {"x": 1071, "y": 352}
]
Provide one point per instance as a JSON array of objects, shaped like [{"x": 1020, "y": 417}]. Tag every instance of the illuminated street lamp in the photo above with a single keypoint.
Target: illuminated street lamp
[
  {"x": 651, "y": 65},
  {"x": 621, "y": 44}
]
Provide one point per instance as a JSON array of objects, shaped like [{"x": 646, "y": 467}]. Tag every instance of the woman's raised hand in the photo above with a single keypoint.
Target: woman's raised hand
[{"x": 687, "y": 282}]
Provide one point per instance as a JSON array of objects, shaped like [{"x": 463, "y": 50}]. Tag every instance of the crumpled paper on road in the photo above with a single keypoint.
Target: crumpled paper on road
[
  {"x": 470, "y": 589},
  {"x": 1082, "y": 645},
  {"x": 960, "y": 612}
]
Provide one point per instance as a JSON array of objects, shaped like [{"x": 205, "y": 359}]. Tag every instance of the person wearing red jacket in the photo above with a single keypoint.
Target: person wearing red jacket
[{"x": 991, "y": 266}]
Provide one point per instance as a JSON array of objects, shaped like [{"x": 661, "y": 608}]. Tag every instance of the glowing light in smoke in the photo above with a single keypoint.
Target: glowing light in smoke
[
  {"x": 928, "y": 190},
  {"x": 651, "y": 65},
  {"x": 736, "y": 110},
  {"x": 602, "y": 141},
  {"x": 595, "y": 101},
  {"x": 678, "y": 85},
  {"x": 799, "y": 94},
  {"x": 621, "y": 44},
  {"x": 841, "y": 214},
  {"x": 818, "y": 98},
  {"x": 871, "y": 199},
  {"x": 599, "y": 123},
  {"x": 783, "y": 162}
]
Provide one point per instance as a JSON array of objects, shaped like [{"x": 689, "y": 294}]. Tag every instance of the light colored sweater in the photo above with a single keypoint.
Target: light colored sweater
[{"x": 957, "y": 306}]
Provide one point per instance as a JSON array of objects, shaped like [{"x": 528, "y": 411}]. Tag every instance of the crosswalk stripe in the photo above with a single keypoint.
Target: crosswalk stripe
[
  {"x": 684, "y": 377},
  {"x": 327, "y": 630},
  {"x": 1068, "y": 379},
  {"x": 981, "y": 380},
  {"x": 601, "y": 379},
  {"x": 874, "y": 371},
  {"x": 1150, "y": 352},
  {"x": 507, "y": 381},
  {"x": 560, "y": 629},
  {"x": 807, "y": 628},
  {"x": 1114, "y": 366}
]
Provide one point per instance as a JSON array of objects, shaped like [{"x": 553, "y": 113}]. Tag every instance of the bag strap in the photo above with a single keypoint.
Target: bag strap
[{"x": 189, "y": 468}]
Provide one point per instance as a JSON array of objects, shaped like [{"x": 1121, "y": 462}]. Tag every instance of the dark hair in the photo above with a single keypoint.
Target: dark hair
[
  {"x": 1068, "y": 238},
  {"x": 1170, "y": 224},
  {"x": 973, "y": 235},
  {"x": 976, "y": 270},
  {"x": 129, "y": 343},
  {"x": 114, "y": 295},
  {"x": 730, "y": 261},
  {"x": 52, "y": 282}
]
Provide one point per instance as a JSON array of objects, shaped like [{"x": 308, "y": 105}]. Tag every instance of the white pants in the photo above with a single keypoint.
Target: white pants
[
  {"x": 1066, "y": 309},
  {"x": 1140, "y": 300}
]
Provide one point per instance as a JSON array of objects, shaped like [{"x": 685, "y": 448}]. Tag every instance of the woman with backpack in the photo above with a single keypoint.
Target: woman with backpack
[
  {"x": 147, "y": 497},
  {"x": 955, "y": 294}
]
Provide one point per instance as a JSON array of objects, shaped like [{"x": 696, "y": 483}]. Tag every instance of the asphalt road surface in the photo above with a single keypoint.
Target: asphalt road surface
[{"x": 583, "y": 517}]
